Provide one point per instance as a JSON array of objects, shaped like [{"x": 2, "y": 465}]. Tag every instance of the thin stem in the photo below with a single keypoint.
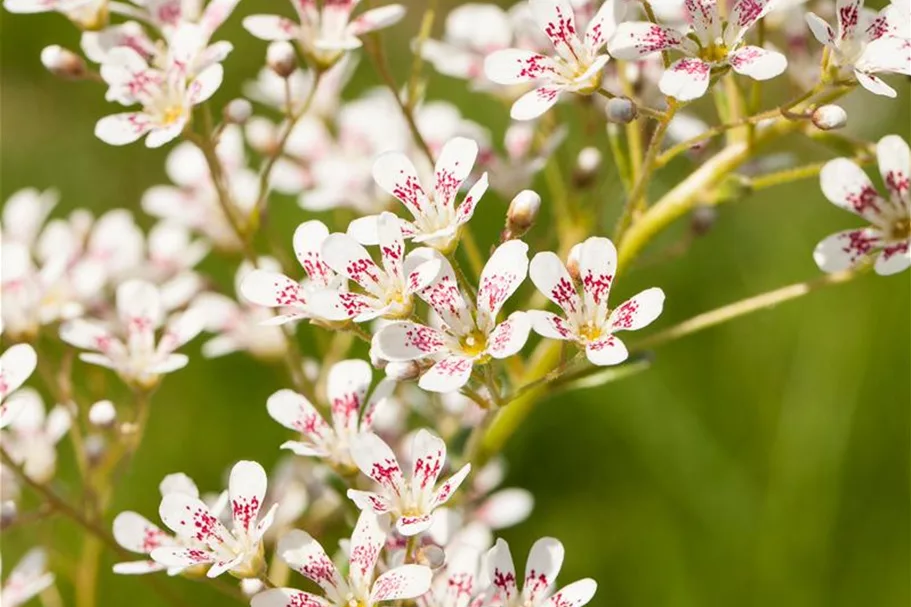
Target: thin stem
[
  {"x": 552, "y": 375},
  {"x": 619, "y": 156},
  {"x": 418, "y": 63},
  {"x": 642, "y": 109}
]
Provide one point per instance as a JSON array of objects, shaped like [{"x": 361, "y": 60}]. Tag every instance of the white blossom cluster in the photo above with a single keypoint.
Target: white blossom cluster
[{"x": 389, "y": 447}]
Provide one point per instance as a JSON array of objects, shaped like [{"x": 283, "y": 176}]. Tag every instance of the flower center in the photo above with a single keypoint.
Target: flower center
[
  {"x": 474, "y": 344},
  {"x": 901, "y": 229},
  {"x": 714, "y": 53},
  {"x": 590, "y": 332},
  {"x": 171, "y": 114}
]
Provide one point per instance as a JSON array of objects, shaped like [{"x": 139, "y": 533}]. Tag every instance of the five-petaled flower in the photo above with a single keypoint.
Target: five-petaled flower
[
  {"x": 541, "y": 570},
  {"x": 28, "y": 579},
  {"x": 588, "y": 321},
  {"x": 130, "y": 349},
  {"x": 437, "y": 221},
  {"x": 868, "y": 42},
  {"x": 467, "y": 337},
  {"x": 16, "y": 365},
  {"x": 847, "y": 186},
  {"x": 411, "y": 502},
  {"x": 239, "y": 550},
  {"x": 577, "y": 67},
  {"x": 305, "y": 555},
  {"x": 326, "y": 30},
  {"x": 713, "y": 44},
  {"x": 347, "y": 385}
]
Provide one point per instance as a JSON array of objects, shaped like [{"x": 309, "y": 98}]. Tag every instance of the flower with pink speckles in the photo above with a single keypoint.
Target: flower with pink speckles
[
  {"x": 712, "y": 44},
  {"x": 437, "y": 220},
  {"x": 411, "y": 502},
  {"x": 577, "y": 66},
  {"x": 467, "y": 337},
  {"x": 136, "y": 533},
  {"x": 305, "y": 555},
  {"x": 27, "y": 579},
  {"x": 206, "y": 541},
  {"x": 352, "y": 413},
  {"x": 129, "y": 348},
  {"x": 588, "y": 321},
  {"x": 868, "y": 42},
  {"x": 275, "y": 290},
  {"x": 16, "y": 365},
  {"x": 541, "y": 570},
  {"x": 847, "y": 186},
  {"x": 31, "y": 437},
  {"x": 325, "y": 31}
]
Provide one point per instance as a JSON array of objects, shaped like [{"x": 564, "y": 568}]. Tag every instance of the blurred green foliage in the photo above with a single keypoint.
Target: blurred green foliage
[{"x": 763, "y": 462}]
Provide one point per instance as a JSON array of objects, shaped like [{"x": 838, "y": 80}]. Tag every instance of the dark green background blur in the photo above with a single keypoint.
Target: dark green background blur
[{"x": 763, "y": 462}]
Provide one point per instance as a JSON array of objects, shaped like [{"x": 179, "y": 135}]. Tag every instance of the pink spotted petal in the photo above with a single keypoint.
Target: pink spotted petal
[
  {"x": 420, "y": 272},
  {"x": 848, "y": 13},
  {"x": 603, "y": 25},
  {"x": 403, "y": 582},
  {"x": 757, "y": 63},
  {"x": 534, "y": 103},
  {"x": 874, "y": 84},
  {"x": 893, "y": 259},
  {"x": 638, "y": 312},
  {"x": 266, "y": 288},
  {"x": 16, "y": 365},
  {"x": 365, "y": 230},
  {"x": 501, "y": 276},
  {"x": 376, "y": 19},
  {"x": 637, "y": 39},
  {"x": 346, "y": 389},
  {"x": 375, "y": 459},
  {"x": 344, "y": 255},
  {"x": 686, "y": 79},
  {"x": 137, "y": 534},
  {"x": 551, "y": 278},
  {"x": 544, "y": 562},
  {"x": 405, "y": 340},
  {"x": 343, "y": 305},
  {"x": 308, "y": 242},
  {"x": 447, "y": 375},
  {"x": 821, "y": 30},
  {"x": 367, "y": 540},
  {"x": 509, "y": 336},
  {"x": 271, "y": 27},
  {"x": 845, "y": 250},
  {"x": 470, "y": 203},
  {"x": 306, "y": 556},
  {"x": 247, "y": 489},
  {"x": 137, "y": 567},
  {"x": 223, "y": 565},
  {"x": 557, "y": 21},
  {"x": 597, "y": 268},
  {"x": 502, "y": 573},
  {"x": 182, "y": 558},
  {"x": 443, "y": 294},
  {"x": 287, "y": 597},
  {"x": 295, "y": 412},
  {"x": 428, "y": 454},
  {"x": 189, "y": 518},
  {"x": 703, "y": 16},
  {"x": 413, "y": 524},
  {"x": 368, "y": 500},
  {"x": 452, "y": 167},
  {"x": 448, "y": 488},
  {"x": 215, "y": 13},
  {"x": 378, "y": 400},
  {"x": 392, "y": 244},
  {"x": 548, "y": 324},
  {"x": 887, "y": 54},
  {"x": 847, "y": 186},
  {"x": 606, "y": 351},
  {"x": 515, "y": 66},
  {"x": 90, "y": 336},
  {"x": 894, "y": 159},
  {"x": 574, "y": 595},
  {"x": 121, "y": 129},
  {"x": 744, "y": 14},
  {"x": 396, "y": 175}
]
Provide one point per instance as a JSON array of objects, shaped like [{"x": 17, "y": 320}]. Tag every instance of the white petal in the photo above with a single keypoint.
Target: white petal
[
  {"x": 638, "y": 312},
  {"x": 308, "y": 243},
  {"x": 502, "y": 572},
  {"x": 606, "y": 351},
  {"x": 305, "y": 555},
  {"x": 557, "y": 20},
  {"x": 396, "y": 175},
  {"x": 295, "y": 412},
  {"x": 376, "y": 19},
  {"x": 874, "y": 84},
  {"x": 821, "y": 30},
  {"x": 758, "y": 63},
  {"x": 893, "y": 259},
  {"x": 375, "y": 459},
  {"x": 548, "y": 324},
  {"x": 271, "y": 27},
  {"x": 404, "y": 582},
  {"x": 603, "y": 25},
  {"x": 846, "y": 249},
  {"x": 428, "y": 455},
  {"x": 505, "y": 508},
  {"x": 16, "y": 365},
  {"x": 178, "y": 482},
  {"x": 138, "y": 567},
  {"x": 400, "y": 341},
  {"x": 345, "y": 256},
  {"x": 534, "y": 103},
  {"x": 121, "y": 129},
  {"x": 449, "y": 487},
  {"x": 574, "y": 595},
  {"x": 551, "y": 278},
  {"x": 502, "y": 275},
  {"x": 367, "y": 541},
  {"x": 368, "y": 500},
  {"x": 452, "y": 167},
  {"x": 894, "y": 160},
  {"x": 597, "y": 268},
  {"x": 182, "y": 558},
  {"x": 346, "y": 388},
  {"x": 637, "y": 39},
  {"x": 544, "y": 562},
  {"x": 686, "y": 79},
  {"x": 287, "y": 597},
  {"x": 190, "y": 518},
  {"x": 272, "y": 289},
  {"x": 514, "y": 66},
  {"x": 470, "y": 203},
  {"x": 509, "y": 336},
  {"x": 247, "y": 489},
  {"x": 447, "y": 375},
  {"x": 847, "y": 186}
]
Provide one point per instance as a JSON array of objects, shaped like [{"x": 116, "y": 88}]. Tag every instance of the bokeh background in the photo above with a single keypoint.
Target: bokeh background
[{"x": 763, "y": 462}]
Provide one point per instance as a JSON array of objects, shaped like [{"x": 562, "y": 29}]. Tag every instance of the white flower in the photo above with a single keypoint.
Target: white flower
[
  {"x": 275, "y": 290},
  {"x": 239, "y": 550},
  {"x": 87, "y": 14},
  {"x": 544, "y": 562},
  {"x": 577, "y": 67},
  {"x": 712, "y": 44},
  {"x": 467, "y": 337},
  {"x": 347, "y": 385},
  {"x": 16, "y": 365},
  {"x": 588, "y": 321},
  {"x": 306, "y": 556},
  {"x": 437, "y": 221},
  {"x": 460, "y": 584},
  {"x": 868, "y": 42},
  {"x": 31, "y": 436},
  {"x": 135, "y": 357},
  {"x": 411, "y": 502},
  {"x": 326, "y": 31},
  {"x": 847, "y": 186},
  {"x": 28, "y": 579},
  {"x": 167, "y": 93},
  {"x": 137, "y": 534}
]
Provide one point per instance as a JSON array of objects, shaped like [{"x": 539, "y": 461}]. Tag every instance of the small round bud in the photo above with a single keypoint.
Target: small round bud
[
  {"x": 621, "y": 110},
  {"x": 9, "y": 512},
  {"x": 829, "y": 117},
  {"x": 403, "y": 371},
  {"x": 103, "y": 414},
  {"x": 238, "y": 111},
  {"x": 572, "y": 262},
  {"x": 703, "y": 219},
  {"x": 261, "y": 135},
  {"x": 587, "y": 164},
  {"x": 62, "y": 62},
  {"x": 431, "y": 555},
  {"x": 95, "y": 447},
  {"x": 523, "y": 210},
  {"x": 281, "y": 58}
]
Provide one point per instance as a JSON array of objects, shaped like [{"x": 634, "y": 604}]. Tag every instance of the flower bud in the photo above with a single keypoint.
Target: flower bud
[
  {"x": 95, "y": 447},
  {"x": 523, "y": 210},
  {"x": 431, "y": 555},
  {"x": 9, "y": 512},
  {"x": 572, "y": 262},
  {"x": 261, "y": 135},
  {"x": 63, "y": 63},
  {"x": 703, "y": 219},
  {"x": 238, "y": 111},
  {"x": 103, "y": 414},
  {"x": 281, "y": 58},
  {"x": 829, "y": 117},
  {"x": 403, "y": 371},
  {"x": 587, "y": 164},
  {"x": 621, "y": 110}
]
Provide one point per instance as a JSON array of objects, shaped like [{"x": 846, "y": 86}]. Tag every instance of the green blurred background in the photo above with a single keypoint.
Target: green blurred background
[{"x": 762, "y": 462}]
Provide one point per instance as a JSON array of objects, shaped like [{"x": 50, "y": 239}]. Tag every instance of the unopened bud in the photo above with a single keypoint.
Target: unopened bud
[
  {"x": 431, "y": 555},
  {"x": 238, "y": 111},
  {"x": 62, "y": 62},
  {"x": 403, "y": 371},
  {"x": 103, "y": 414},
  {"x": 829, "y": 117},
  {"x": 281, "y": 58},
  {"x": 261, "y": 135},
  {"x": 9, "y": 512},
  {"x": 523, "y": 210},
  {"x": 95, "y": 447},
  {"x": 587, "y": 164},
  {"x": 572, "y": 262},
  {"x": 703, "y": 219},
  {"x": 621, "y": 110}
]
